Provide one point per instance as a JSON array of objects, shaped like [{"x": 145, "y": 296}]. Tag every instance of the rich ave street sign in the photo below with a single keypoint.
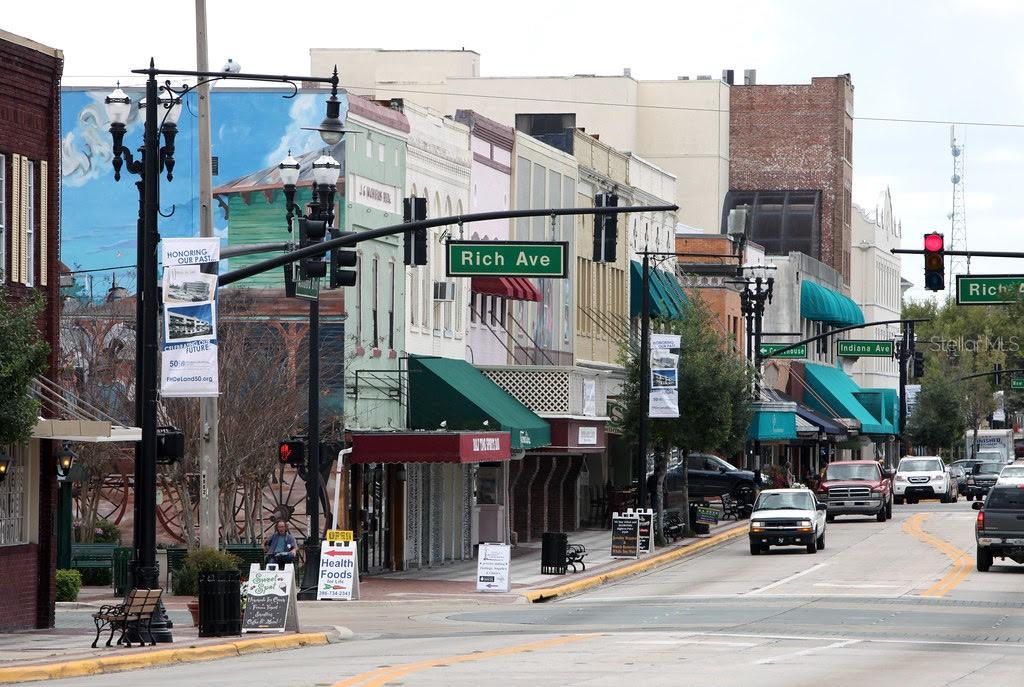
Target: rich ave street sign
[
  {"x": 1017, "y": 383},
  {"x": 768, "y": 351},
  {"x": 857, "y": 348},
  {"x": 548, "y": 259},
  {"x": 990, "y": 289}
]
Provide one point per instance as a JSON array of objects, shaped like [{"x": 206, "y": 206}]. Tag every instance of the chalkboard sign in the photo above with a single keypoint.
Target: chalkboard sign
[
  {"x": 646, "y": 516},
  {"x": 270, "y": 600},
  {"x": 625, "y": 535}
]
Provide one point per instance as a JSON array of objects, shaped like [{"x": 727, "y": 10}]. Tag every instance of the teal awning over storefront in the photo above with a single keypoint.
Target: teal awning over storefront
[
  {"x": 822, "y": 304},
  {"x": 772, "y": 425},
  {"x": 836, "y": 395},
  {"x": 668, "y": 300},
  {"x": 453, "y": 392}
]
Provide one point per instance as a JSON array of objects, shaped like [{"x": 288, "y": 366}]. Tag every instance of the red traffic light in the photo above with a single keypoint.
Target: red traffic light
[{"x": 934, "y": 242}]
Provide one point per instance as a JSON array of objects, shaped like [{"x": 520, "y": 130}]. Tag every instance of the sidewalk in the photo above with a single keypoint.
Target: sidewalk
[{"x": 458, "y": 579}]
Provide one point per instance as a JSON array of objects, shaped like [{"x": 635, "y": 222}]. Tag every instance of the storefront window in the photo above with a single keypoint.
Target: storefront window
[{"x": 13, "y": 500}]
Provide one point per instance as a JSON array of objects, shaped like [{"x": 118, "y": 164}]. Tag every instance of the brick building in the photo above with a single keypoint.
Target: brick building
[
  {"x": 707, "y": 276},
  {"x": 791, "y": 150},
  {"x": 30, "y": 76}
]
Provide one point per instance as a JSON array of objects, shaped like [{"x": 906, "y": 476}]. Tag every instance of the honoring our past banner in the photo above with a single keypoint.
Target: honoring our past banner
[
  {"x": 664, "y": 396},
  {"x": 189, "y": 360}
]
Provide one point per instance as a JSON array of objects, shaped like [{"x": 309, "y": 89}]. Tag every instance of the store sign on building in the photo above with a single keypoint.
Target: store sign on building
[
  {"x": 587, "y": 436},
  {"x": 373, "y": 194}
]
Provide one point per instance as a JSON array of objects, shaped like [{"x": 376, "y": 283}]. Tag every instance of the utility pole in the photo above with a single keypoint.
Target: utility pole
[
  {"x": 209, "y": 456},
  {"x": 905, "y": 352},
  {"x": 645, "y": 386}
]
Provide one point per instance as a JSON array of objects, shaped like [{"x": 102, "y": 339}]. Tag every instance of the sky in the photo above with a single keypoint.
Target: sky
[{"x": 940, "y": 60}]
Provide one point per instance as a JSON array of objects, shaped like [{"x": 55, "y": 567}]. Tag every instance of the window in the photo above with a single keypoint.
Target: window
[
  {"x": 473, "y": 300},
  {"x": 369, "y": 147},
  {"x": 373, "y": 305},
  {"x": 391, "y": 306},
  {"x": 30, "y": 225},
  {"x": 396, "y": 160},
  {"x": 14, "y": 500},
  {"x": 414, "y": 297},
  {"x": 3, "y": 214},
  {"x": 781, "y": 221},
  {"x": 380, "y": 152},
  {"x": 359, "y": 298}
]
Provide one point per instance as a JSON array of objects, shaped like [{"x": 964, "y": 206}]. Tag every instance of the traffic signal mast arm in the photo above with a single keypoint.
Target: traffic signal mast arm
[
  {"x": 833, "y": 332},
  {"x": 992, "y": 372},
  {"x": 352, "y": 239},
  {"x": 965, "y": 253}
]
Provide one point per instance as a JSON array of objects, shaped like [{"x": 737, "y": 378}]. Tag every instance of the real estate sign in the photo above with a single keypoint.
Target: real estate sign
[
  {"x": 857, "y": 348},
  {"x": 548, "y": 259},
  {"x": 989, "y": 289}
]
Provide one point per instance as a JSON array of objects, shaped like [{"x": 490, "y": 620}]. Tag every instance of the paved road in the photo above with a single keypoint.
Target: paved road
[{"x": 896, "y": 603}]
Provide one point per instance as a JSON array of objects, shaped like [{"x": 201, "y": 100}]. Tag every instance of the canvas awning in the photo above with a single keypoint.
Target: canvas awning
[
  {"x": 430, "y": 447},
  {"x": 667, "y": 298},
  {"x": 513, "y": 288},
  {"x": 822, "y": 304},
  {"x": 836, "y": 395}
]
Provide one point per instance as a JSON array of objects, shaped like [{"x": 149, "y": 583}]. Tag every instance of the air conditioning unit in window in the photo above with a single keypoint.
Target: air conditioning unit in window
[{"x": 444, "y": 291}]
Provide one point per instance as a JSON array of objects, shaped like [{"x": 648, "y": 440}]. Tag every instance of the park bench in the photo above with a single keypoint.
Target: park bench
[
  {"x": 574, "y": 554},
  {"x": 247, "y": 554},
  {"x": 730, "y": 507},
  {"x": 674, "y": 528},
  {"x": 135, "y": 613},
  {"x": 92, "y": 556}
]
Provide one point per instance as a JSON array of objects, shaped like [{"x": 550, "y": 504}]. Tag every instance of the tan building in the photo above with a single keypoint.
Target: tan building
[
  {"x": 703, "y": 275},
  {"x": 682, "y": 126}
]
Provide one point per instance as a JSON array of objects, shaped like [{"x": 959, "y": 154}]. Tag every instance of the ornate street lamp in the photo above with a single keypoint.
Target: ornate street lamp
[
  {"x": 65, "y": 459},
  {"x": 288, "y": 170},
  {"x": 326, "y": 172}
]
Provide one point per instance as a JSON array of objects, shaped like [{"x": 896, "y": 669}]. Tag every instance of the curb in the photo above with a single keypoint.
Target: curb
[
  {"x": 540, "y": 595},
  {"x": 113, "y": 664}
]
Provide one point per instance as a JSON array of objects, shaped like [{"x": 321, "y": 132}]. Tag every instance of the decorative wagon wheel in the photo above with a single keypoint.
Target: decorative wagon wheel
[
  {"x": 169, "y": 511},
  {"x": 285, "y": 499},
  {"x": 115, "y": 493}
]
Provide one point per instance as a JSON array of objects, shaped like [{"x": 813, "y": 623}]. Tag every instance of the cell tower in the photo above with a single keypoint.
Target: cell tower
[{"x": 957, "y": 218}]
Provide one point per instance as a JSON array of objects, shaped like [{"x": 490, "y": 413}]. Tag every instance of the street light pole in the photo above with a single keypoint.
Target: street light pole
[{"x": 645, "y": 384}]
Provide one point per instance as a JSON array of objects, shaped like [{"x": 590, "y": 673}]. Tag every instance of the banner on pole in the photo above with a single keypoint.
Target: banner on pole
[
  {"x": 664, "y": 394},
  {"x": 189, "y": 361}
]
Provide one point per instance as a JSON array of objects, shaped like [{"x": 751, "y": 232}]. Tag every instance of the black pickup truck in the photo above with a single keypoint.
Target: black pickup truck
[{"x": 1000, "y": 527}]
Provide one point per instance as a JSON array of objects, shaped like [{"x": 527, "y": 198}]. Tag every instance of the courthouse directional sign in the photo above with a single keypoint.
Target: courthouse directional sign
[
  {"x": 508, "y": 259},
  {"x": 768, "y": 351},
  {"x": 1017, "y": 383},
  {"x": 854, "y": 348},
  {"x": 989, "y": 289}
]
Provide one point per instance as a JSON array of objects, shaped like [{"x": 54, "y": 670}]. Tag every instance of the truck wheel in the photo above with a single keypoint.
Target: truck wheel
[
  {"x": 898, "y": 500},
  {"x": 813, "y": 546},
  {"x": 984, "y": 559},
  {"x": 755, "y": 548},
  {"x": 821, "y": 542},
  {"x": 945, "y": 498},
  {"x": 880, "y": 515},
  {"x": 830, "y": 518},
  {"x": 888, "y": 510}
]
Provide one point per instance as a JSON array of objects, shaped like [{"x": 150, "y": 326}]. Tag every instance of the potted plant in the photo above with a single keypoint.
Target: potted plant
[{"x": 186, "y": 580}]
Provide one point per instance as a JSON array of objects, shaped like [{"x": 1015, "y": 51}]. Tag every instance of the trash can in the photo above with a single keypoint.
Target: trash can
[
  {"x": 220, "y": 604},
  {"x": 553, "y": 548},
  {"x": 122, "y": 560}
]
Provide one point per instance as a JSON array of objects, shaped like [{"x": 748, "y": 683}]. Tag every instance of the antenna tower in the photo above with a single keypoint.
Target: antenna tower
[{"x": 957, "y": 218}]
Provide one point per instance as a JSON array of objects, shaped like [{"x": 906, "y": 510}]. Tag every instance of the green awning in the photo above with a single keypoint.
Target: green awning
[
  {"x": 668, "y": 300},
  {"x": 836, "y": 395},
  {"x": 822, "y": 304},
  {"x": 772, "y": 425},
  {"x": 453, "y": 392}
]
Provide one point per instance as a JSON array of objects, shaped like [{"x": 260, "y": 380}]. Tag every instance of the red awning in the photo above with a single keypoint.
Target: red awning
[
  {"x": 430, "y": 447},
  {"x": 513, "y": 288}
]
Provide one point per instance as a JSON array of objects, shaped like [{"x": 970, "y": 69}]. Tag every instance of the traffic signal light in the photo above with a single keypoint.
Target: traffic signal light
[
  {"x": 340, "y": 259},
  {"x": 918, "y": 370},
  {"x": 415, "y": 210},
  {"x": 291, "y": 452},
  {"x": 311, "y": 232},
  {"x": 606, "y": 228},
  {"x": 997, "y": 369},
  {"x": 934, "y": 261}
]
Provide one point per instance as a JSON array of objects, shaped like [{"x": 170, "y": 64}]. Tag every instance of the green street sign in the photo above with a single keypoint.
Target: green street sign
[
  {"x": 768, "y": 351},
  {"x": 1017, "y": 382},
  {"x": 855, "y": 348},
  {"x": 548, "y": 259},
  {"x": 990, "y": 289},
  {"x": 308, "y": 289}
]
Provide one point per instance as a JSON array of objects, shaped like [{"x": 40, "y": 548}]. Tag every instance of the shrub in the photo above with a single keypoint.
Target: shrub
[
  {"x": 69, "y": 583},
  {"x": 186, "y": 580},
  {"x": 106, "y": 532}
]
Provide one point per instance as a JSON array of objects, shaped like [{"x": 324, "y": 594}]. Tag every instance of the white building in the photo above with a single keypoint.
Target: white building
[
  {"x": 875, "y": 286},
  {"x": 680, "y": 125}
]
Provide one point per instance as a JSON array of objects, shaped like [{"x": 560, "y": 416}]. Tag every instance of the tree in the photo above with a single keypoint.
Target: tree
[
  {"x": 714, "y": 400},
  {"x": 940, "y": 418},
  {"x": 23, "y": 354}
]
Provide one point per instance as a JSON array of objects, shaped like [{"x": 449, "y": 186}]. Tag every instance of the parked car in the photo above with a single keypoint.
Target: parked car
[
  {"x": 857, "y": 487},
  {"x": 1011, "y": 474},
  {"x": 999, "y": 530},
  {"x": 711, "y": 476},
  {"x": 926, "y": 477},
  {"x": 787, "y": 517},
  {"x": 982, "y": 478}
]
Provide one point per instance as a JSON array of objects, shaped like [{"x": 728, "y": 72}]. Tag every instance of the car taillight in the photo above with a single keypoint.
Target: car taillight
[{"x": 981, "y": 520}]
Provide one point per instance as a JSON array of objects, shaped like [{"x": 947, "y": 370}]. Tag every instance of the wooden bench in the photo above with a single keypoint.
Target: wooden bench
[
  {"x": 574, "y": 554},
  {"x": 92, "y": 556},
  {"x": 135, "y": 613}
]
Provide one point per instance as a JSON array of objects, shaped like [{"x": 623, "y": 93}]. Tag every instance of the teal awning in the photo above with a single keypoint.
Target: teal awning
[
  {"x": 668, "y": 301},
  {"x": 772, "y": 425},
  {"x": 453, "y": 392},
  {"x": 822, "y": 304},
  {"x": 836, "y": 395}
]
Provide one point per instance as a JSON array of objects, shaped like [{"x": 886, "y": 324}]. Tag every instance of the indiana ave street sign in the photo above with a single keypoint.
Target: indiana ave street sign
[
  {"x": 768, "y": 351},
  {"x": 989, "y": 289},
  {"x": 1017, "y": 383},
  {"x": 854, "y": 348},
  {"x": 508, "y": 259}
]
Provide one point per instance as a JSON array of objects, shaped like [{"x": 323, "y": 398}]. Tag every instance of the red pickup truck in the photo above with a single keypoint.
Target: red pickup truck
[{"x": 857, "y": 487}]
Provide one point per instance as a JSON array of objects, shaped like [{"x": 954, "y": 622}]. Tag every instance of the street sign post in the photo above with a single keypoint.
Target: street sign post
[
  {"x": 768, "y": 351},
  {"x": 1017, "y": 383},
  {"x": 548, "y": 259},
  {"x": 857, "y": 348},
  {"x": 989, "y": 289}
]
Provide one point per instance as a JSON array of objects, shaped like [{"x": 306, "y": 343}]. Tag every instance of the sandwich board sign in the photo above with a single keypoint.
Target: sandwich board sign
[
  {"x": 492, "y": 568},
  {"x": 270, "y": 602},
  {"x": 646, "y": 517},
  {"x": 625, "y": 535},
  {"x": 339, "y": 571}
]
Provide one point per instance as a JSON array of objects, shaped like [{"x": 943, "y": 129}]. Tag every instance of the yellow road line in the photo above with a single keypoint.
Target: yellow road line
[
  {"x": 381, "y": 676},
  {"x": 962, "y": 561},
  {"x": 536, "y": 595}
]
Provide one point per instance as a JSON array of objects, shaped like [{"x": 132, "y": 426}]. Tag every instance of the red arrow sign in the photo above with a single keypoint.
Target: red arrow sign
[{"x": 335, "y": 552}]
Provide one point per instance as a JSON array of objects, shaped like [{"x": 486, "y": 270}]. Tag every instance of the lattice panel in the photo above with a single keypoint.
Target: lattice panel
[
  {"x": 467, "y": 510},
  {"x": 414, "y": 513},
  {"x": 542, "y": 391},
  {"x": 436, "y": 515}
]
